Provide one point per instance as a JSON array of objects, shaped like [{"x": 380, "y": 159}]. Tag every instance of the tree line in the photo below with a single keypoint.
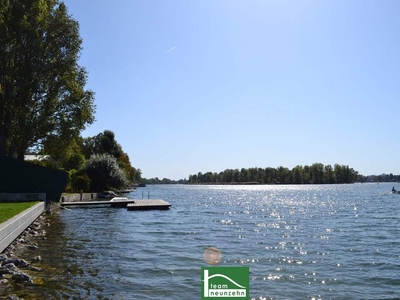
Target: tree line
[
  {"x": 156, "y": 180},
  {"x": 317, "y": 173},
  {"x": 383, "y": 178}
]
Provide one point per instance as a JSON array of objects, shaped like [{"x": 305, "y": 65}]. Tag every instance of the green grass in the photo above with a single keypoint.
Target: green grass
[{"x": 9, "y": 210}]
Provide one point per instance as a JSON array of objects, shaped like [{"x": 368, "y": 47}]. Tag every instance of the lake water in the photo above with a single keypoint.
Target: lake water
[{"x": 299, "y": 241}]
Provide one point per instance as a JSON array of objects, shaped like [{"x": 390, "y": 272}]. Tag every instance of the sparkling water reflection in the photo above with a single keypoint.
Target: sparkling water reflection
[{"x": 300, "y": 242}]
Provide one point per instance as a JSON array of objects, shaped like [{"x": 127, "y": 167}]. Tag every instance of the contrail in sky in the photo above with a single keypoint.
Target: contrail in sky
[{"x": 170, "y": 49}]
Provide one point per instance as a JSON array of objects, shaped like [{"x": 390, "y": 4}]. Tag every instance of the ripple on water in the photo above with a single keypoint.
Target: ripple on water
[{"x": 300, "y": 242}]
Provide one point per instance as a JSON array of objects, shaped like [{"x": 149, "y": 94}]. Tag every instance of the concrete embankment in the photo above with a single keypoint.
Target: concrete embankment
[
  {"x": 16, "y": 272},
  {"x": 12, "y": 228}
]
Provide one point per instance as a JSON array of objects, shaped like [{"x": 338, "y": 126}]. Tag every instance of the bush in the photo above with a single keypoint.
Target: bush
[
  {"x": 82, "y": 182},
  {"x": 105, "y": 173}
]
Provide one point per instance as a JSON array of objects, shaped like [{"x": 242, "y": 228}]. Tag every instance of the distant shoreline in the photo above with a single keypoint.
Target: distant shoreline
[
  {"x": 257, "y": 183},
  {"x": 229, "y": 183}
]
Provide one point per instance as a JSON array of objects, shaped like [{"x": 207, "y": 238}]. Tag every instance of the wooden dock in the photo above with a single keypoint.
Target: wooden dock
[
  {"x": 148, "y": 204},
  {"x": 130, "y": 204}
]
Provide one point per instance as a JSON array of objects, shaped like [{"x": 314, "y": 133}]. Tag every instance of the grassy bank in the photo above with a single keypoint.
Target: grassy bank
[{"x": 9, "y": 210}]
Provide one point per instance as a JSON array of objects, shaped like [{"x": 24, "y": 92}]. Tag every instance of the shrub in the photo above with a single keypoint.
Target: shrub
[
  {"x": 82, "y": 182},
  {"x": 105, "y": 173}
]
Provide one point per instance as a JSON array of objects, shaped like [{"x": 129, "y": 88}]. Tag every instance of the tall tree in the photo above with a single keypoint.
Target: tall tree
[
  {"x": 328, "y": 174},
  {"x": 317, "y": 173},
  {"x": 42, "y": 96},
  {"x": 297, "y": 172},
  {"x": 103, "y": 143},
  {"x": 108, "y": 144}
]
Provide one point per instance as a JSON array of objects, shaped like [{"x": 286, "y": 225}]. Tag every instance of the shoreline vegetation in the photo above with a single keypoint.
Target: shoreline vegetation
[
  {"x": 257, "y": 183},
  {"x": 225, "y": 183},
  {"x": 317, "y": 173},
  {"x": 270, "y": 176}
]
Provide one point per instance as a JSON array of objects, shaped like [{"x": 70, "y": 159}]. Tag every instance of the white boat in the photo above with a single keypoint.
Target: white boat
[{"x": 119, "y": 199}]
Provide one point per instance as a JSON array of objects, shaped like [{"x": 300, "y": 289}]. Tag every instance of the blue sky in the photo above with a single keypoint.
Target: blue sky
[{"x": 204, "y": 85}]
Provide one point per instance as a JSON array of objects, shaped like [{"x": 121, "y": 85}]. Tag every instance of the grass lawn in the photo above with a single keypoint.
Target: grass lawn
[{"x": 9, "y": 210}]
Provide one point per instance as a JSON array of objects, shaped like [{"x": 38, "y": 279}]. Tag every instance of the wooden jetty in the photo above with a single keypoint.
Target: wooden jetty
[
  {"x": 130, "y": 204},
  {"x": 148, "y": 204}
]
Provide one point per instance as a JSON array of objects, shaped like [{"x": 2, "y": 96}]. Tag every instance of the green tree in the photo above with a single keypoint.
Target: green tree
[
  {"x": 297, "y": 174},
  {"x": 81, "y": 182},
  {"x": 208, "y": 177},
  {"x": 283, "y": 175},
  {"x": 244, "y": 175},
  {"x": 200, "y": 177},
  {"x": 328, "y": 174},
  {"x": 193, "y": 179},
  {"x": 88, "y": 146},
  {"x": 125, "y": 164},
  {"x": 42, "y": 96},
  {"x": 306, "y": 174},
  {"x": 339, "y": 176},
  {"x": 103, "y": 143},
  {"x": 236, "y": 175},
  {"x": 270, "y": 175},
  {"x": 108, "y": 144},
  {"x": 138, "y": 176},
  {"x": 74, "y": 161},
  {"x": 252, "y": 174},
  {"x": 317, "y": 173},
  {"x": 227, "y": 175}
]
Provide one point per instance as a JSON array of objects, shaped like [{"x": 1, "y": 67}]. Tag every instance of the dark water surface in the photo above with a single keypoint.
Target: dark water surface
[{"x": 300, "y": 242}]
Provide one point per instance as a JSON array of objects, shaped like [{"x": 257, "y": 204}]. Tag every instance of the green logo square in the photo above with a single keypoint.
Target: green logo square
[{"x": 219, "y": 283}]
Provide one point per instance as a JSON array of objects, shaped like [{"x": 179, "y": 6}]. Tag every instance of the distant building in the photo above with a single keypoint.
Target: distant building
[{"x": 36, "y": 157}]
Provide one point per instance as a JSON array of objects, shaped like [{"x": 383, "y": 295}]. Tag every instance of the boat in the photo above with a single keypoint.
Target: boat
[
  {"x": 396, "y": 192},
  {"x": 119, "y": 199}
]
